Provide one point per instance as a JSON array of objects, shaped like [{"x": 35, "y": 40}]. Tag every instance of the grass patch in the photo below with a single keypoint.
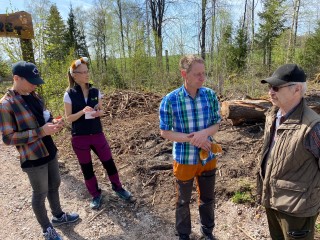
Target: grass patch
[
  {"x": 242, "y": 197},
  {"x": 244, "y": 194}
]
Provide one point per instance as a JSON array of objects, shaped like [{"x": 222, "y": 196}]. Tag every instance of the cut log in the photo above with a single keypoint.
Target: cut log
[
  {"x": 249, "y": 110},
  {"x": 253, "y": 110}
]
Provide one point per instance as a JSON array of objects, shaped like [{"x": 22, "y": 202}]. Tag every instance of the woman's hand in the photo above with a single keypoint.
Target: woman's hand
[
  {"x": 87, "y": 109},
  {"x": 98, "y": 113}
]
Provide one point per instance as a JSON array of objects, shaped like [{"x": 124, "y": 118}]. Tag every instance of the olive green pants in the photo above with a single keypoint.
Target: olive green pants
[{"x": 286, "y": 227}]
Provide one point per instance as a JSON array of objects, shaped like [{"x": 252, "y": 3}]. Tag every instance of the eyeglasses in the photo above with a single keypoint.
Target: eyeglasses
[
  {"x": 83, "y": 72},
  {"x": 276, "y": 88}
]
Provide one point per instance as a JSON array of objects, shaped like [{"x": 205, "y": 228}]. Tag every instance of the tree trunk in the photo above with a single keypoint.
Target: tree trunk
[
  {"x": 293, "y": 31},
  {"x": 122, "y": 35},
  {"x": 239, "y": 111},
  {"x": 244, "y": 15},
  {"x": 203, "y": 29},
  {"x": 213, "y": 24},
  {"x": 252, "y": 25},
  {"x": 296, "y": 24},
  {"x": 253, "y": 110},
  {"x": 157, "y": 8}
]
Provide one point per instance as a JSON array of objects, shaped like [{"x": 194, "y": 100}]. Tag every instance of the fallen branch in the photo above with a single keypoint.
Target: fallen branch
[
  {"x": 149, "y": 180},
  {"x": 126, "y": 165},
  {"x": 247, "y": 234},
  {"x": 96, "y": 215},
  {"x": 154, "y": 197}
]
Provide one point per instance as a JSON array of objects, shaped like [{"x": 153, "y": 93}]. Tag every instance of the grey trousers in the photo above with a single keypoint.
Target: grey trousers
[
  {"x": 45, "y": 181},
  {"x": 205, "y": 184}
]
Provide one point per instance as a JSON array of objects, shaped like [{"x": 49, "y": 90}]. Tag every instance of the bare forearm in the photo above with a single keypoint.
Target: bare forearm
[
  {"x": 212, "y": 130},
  {"x": 74, "y": 117},
  {"x": 175, "y": 136}
]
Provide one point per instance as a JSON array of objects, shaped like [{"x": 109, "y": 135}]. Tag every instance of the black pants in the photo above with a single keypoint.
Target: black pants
[{"x": 205, "y": 187}]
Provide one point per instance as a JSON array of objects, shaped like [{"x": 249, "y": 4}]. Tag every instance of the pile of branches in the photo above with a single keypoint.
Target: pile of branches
[{"x": 124, "y": 104}]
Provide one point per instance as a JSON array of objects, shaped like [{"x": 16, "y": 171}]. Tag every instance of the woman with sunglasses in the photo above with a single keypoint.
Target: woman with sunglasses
[
  {"x": 289, "y": 174},
  {"x": 83, "y": 108}
]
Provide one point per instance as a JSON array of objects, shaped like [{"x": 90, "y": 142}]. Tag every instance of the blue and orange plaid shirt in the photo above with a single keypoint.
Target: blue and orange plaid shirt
[
  {"x": 20, "y": 127},
  {"x": 179, "y": 112}
]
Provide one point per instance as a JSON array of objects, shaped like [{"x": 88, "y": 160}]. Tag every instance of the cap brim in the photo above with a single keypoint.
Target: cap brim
[
  {"x": 35, "y": 81},
  {"x": 274, "y": 81}
]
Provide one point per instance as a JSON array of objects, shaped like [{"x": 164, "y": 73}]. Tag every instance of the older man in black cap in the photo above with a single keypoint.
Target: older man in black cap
[
  {"x": 289, "y": 174},
  {"x": 25, "y": 123}
]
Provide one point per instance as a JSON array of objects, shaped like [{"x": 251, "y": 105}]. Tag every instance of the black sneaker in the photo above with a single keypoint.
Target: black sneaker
[
  {"x": 184, "y": 237},
  {"x": 124, "y": 194},
  {"x": 96, "y": 202},
  {"x": 207, "y": 236},
  {"x": 51, "y": 234},
  {"x": 65, "y": 218}
]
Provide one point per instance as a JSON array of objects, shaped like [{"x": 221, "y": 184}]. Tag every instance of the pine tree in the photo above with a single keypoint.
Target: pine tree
[
  {"x": 271, "y": 27},
  {"x": 54, "y": 33},
  {"x": 311, "y": 57},
  {"x": 240, "y": 49},
  {"x": 75, "y": 38}
]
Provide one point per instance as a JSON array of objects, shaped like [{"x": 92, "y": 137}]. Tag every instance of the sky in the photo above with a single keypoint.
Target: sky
[{"x": 63, "y": 6}]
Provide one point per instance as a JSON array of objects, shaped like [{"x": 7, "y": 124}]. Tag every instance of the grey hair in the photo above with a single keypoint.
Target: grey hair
[{"x": 303, "y": 87}]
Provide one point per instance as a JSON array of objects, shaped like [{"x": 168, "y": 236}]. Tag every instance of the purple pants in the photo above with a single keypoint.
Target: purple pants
[{"x": 82, "y": 146}]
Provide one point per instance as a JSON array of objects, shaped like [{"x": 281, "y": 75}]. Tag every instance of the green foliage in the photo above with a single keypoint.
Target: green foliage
[
  {"x": 75, "y": 38},
  {"x": 240, "y": 49},
  {"x": 54, "y": 34},
  {"x": 311, "y": 56},
  {"x": 271, "y": 26},
  {"x": 5, "y": 70},
  {"x": 56, "y": 82},
  {"x": 4, "y": 86},
  {"x": 234, "y": 68},
  {"x": 243, "y": 195}
]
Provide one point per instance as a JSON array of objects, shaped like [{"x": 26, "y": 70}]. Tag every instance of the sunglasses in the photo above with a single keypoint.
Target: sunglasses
[{"x": 276, "y": 88}]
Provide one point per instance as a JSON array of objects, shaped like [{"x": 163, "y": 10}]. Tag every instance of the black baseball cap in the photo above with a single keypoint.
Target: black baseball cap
[
  {"x": 285, "y": 74},
  {"x": 27, "y": 70}
]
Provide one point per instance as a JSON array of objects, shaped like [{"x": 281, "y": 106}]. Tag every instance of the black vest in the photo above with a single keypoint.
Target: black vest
[{"x": 84, "y": 126}]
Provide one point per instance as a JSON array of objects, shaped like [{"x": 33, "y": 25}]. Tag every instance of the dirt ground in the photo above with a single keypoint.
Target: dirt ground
[{"x": 144, "y": 163}]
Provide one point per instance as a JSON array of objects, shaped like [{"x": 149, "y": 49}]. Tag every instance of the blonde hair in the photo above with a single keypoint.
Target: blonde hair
[{"x": 187, "y": 61}]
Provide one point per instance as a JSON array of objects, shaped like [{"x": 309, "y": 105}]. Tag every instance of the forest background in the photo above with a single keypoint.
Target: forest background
[{"x": 136, "y": 44}]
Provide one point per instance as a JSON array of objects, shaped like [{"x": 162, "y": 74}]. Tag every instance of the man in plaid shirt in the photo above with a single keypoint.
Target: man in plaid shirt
[
  {"x": 189, "y": 116},
  {"x": 26, "y": 124}
]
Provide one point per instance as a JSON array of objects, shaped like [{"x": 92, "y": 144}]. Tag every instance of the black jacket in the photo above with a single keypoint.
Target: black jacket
[{"x": 84, "y": 126}]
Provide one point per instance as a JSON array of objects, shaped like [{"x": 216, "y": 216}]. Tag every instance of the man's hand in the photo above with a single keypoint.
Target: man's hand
[
  {"x": 52, "y": 128},
  {"x": 200, "y": 140}
]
